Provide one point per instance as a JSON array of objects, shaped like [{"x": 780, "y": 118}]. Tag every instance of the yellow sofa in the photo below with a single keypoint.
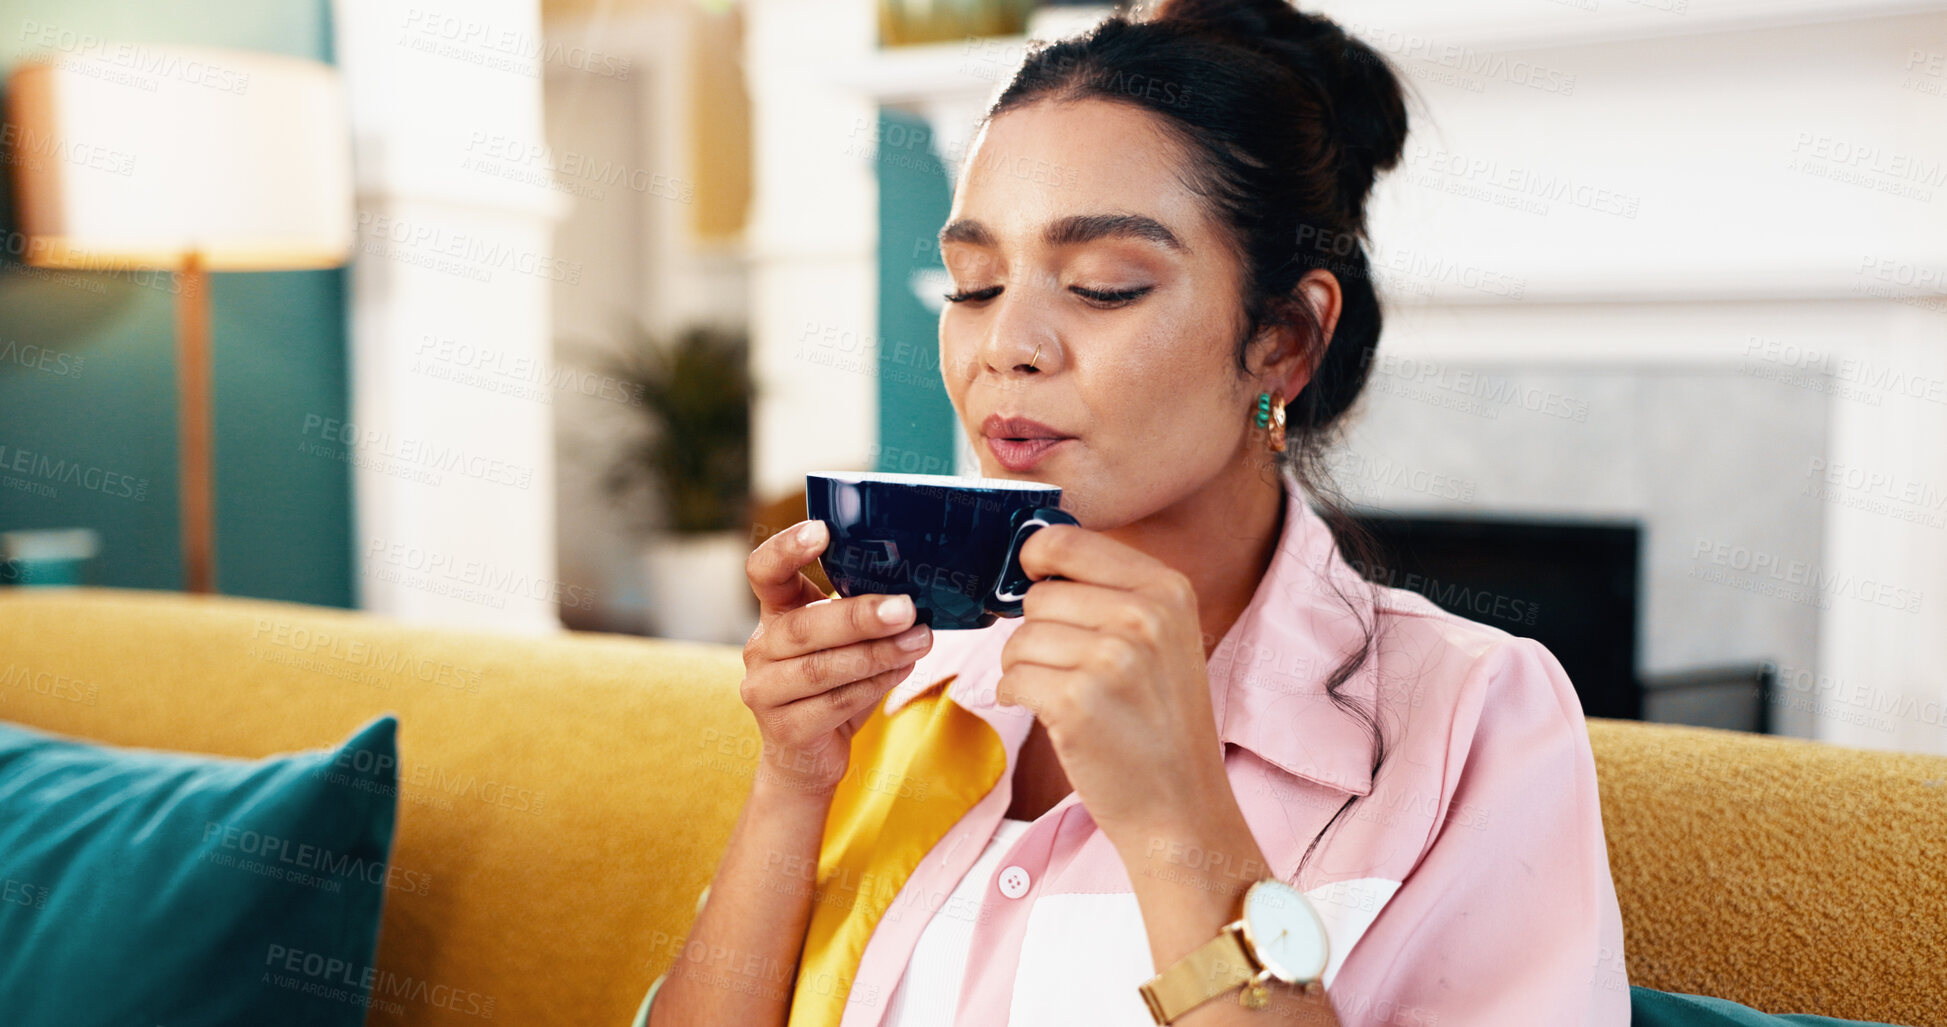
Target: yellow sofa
[{"x": 566, "y": 798}]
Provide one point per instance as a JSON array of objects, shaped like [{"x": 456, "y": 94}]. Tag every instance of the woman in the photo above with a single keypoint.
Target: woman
[{"x": 1026, "y": 823}]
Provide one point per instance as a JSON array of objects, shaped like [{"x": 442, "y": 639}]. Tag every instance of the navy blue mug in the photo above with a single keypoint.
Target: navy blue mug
[{"x": 952, "y": 543}]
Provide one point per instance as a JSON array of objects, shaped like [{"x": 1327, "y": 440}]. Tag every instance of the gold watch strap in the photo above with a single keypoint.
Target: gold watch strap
[{"x": 1217, "y": 966}]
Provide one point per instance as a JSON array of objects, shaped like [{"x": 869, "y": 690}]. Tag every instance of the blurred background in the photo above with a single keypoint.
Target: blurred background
[{"x": 533, "y": 315}]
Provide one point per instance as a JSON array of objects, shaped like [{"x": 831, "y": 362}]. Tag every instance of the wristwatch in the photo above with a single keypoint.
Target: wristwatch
[{"x": 1278, "y": 935}]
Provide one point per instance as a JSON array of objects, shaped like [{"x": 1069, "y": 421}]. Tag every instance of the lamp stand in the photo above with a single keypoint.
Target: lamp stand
[{"x": 193, "y": 423}]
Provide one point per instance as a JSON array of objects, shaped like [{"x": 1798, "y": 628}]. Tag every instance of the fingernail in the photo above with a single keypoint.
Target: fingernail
[
  {"x": 894, "y": 610},
  {"x": 915, "y": 638},
  {"x": 809, "y": 532}
]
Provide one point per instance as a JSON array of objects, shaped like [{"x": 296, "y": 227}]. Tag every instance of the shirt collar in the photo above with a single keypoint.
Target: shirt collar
[{"x": 1267, "y": 675}]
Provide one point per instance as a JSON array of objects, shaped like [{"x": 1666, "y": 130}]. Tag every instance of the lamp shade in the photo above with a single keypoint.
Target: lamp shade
[{"x": 140, "y": 155}]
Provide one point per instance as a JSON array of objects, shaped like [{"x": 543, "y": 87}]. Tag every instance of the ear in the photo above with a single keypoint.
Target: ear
[{"x": 1288, "y": 355}]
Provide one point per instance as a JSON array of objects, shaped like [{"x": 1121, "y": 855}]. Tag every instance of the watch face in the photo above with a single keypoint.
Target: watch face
[{"x": 1284, "y": 931}]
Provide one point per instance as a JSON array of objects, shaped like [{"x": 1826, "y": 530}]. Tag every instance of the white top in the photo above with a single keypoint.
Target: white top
[{"x": 929, "y": 989}]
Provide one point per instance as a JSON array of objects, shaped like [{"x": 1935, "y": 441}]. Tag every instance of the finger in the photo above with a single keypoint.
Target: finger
[
  {"x": 1078, "y": 554},
  {"x": 1030, "y": 685},
  {"x": 1050, "y": 644},
  {"x": 830, "y": 623},
  {"x": 1082, "y": 604},
  {"x": 825, "y": 669},
  {"x": 847, "y": 700},
  {"x": 773, "y": 567}
]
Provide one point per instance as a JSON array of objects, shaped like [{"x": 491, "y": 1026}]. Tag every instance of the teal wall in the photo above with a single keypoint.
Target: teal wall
[
  {"x": 87, "y": 366},
  {"x": 915, "y": 415}
]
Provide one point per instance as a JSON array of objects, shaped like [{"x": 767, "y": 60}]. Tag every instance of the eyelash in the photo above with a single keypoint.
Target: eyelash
[{"x": 1115, "y": 297}]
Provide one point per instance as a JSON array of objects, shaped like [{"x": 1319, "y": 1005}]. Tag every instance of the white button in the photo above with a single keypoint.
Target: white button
[{"x": 1014, "y": 882}]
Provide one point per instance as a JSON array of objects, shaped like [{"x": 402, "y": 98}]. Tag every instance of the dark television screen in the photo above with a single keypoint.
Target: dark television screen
[{"x": 1571, "y": 585}]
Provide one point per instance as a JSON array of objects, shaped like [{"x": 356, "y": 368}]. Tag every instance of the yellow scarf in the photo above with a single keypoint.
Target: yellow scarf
[{"x": 912, "y": 777}]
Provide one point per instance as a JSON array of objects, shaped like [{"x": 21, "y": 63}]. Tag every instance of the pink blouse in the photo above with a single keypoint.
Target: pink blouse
[{"x": 1468, "y": 885}]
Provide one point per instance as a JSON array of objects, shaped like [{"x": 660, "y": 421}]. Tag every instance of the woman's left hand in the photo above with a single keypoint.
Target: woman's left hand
[{"x": 1111, "y": 661}]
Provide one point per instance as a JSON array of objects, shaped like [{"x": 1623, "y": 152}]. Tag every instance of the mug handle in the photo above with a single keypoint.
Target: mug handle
[{"x": 1012, "y": 588}]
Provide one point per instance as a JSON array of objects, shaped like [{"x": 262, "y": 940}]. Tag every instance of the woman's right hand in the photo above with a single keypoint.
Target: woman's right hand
[{"x": 814, "y": 662}]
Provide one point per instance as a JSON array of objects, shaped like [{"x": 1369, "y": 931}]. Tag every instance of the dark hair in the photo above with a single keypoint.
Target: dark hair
[{"x": 1286, "y": 121}]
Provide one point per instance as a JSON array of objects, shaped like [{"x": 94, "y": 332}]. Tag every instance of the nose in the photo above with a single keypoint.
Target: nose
[{"x": 1019, "y": 342}]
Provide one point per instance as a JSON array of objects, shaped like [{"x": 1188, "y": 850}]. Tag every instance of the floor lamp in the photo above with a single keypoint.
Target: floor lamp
[{"x": 205, "y": 160}]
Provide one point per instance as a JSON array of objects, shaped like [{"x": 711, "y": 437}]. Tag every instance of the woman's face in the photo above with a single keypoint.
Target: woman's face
[{"x": 1057, "y": 204}]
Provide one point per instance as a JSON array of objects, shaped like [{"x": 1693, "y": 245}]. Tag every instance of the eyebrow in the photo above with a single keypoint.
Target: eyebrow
[{"x": 1074, "y": 230}]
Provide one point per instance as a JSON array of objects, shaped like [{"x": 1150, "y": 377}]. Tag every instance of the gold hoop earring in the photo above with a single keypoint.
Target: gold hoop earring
[{"x": 1033, "y": 359}]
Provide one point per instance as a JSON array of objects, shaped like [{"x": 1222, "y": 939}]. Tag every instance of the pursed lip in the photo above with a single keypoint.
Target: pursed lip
[
  {"x": 998, "y": 427},
  {"x": 1020, "y": 455}
]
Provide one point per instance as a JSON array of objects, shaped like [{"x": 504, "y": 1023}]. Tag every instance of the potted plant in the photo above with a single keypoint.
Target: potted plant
[{"x": 681, "y": 475}]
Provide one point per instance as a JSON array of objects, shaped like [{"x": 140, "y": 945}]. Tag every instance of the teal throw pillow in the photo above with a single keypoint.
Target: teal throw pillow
[
  {"x": 1651, "y": 1008},
  {"x": 140, "y": 887}
]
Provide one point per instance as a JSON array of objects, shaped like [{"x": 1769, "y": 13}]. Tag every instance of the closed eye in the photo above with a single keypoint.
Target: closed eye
[
  {"x": 1110, "y": 297},
  {"x": 965, "y": 297}
]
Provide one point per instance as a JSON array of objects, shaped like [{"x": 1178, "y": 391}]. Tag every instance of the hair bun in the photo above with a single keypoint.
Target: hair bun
[{"x": 1368, "y": 108}]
